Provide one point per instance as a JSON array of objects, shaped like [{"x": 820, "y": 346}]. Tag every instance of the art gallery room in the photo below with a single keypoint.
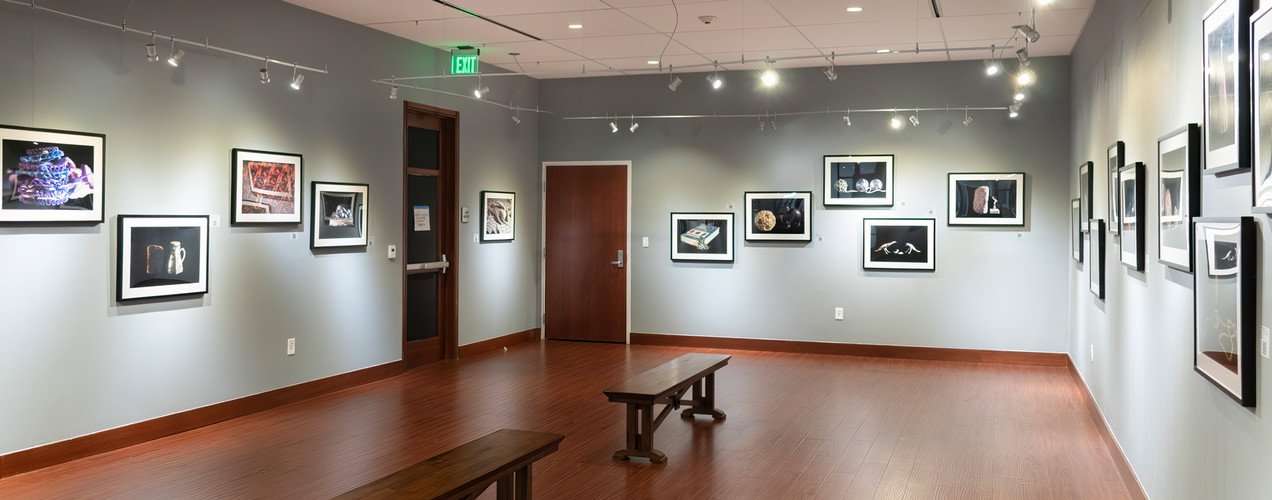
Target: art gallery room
[{"x": 634, "y": 249}]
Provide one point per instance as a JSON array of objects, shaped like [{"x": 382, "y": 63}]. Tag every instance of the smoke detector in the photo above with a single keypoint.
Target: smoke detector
[{"x": 707, "y": 19}]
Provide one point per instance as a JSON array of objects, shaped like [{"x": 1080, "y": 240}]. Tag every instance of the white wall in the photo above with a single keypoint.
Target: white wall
[
  {"x": 74, "y": 361},
  {"x": 1136, "y": 76},
  {"x": 994, "y": 288}
]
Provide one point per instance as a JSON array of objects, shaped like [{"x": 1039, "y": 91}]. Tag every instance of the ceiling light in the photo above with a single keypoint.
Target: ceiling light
[
  {"x": 761, "y": 123},
  {"x": 634, "y": 126},
  {"x": 613, "y": 127},
  {"x": 675, "y": 83},
  {"x": 715, "y": 80},
  {"x": 516, "y": 119},
  {"x": 1044, "y": 2},
  {"x": 152, "y": 52},
  {"x": 297, "y": 79},
  {"x": 575, "y": 26},
  {"x": 265, "y": 72},
  {"x": 854, "y": 9},
  {"x": 896, "y": 120},
  {"x": 915, "y": 119},
  {"x": 652, "y": 62},
  {"x": 393, "y": 92},
  {"x": 769, "y": 77},
  {"x": 1025, "y": 77},
  {"x": 1019, "y": 95},
  {"x": 175, "y": 55},
  {"x": 882, "y": 51},
  {"x": 481, "y": 92},
  {"x": 992, "y": 68},
  {"x": 847, "y": 121},
  {"x": 1022, "y": 54},
  {"x": 1028, "y": 32},
  {"x": 830, "y": 73},
  {"x": 1014, "y": 110},
  {"x": 967, "y": 117}
]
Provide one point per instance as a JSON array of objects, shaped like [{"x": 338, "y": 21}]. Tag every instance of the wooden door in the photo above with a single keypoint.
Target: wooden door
[
  {"x": 429, "y": 298},
  {"x": 585, "y": 253}
]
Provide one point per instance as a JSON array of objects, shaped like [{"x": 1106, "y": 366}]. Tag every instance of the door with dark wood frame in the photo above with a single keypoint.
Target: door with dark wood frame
[
  {"x": 430, "y": 304},
  {"x": 585, "y": 252}
]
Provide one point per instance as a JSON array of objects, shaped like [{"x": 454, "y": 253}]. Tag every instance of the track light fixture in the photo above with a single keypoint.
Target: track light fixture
[
  {"x": 896, "y": 119},
  {"x": 634, "y": 125},
  {"x": 1014, "y": 110},
  {"x": 297, "y": 79},
  {"x": 992, "y": 68},
  {"x": 1019, "y": 95},
  {"x": 1028, "y": 32},
  {"x": 674, "y": 83},
  {"x": 769, "y": 77},
  {"x": 480, "y": 90},
  {"x": 830, "y": 70},
  {"x": 1025, "y": 78},
  {"x": 152, "y": 52},
  {"x": 848, "y": 119},
  {"x": 265, "y": 72},
  {"x": 761, "y": 118},
  {"x": 393, "y": 89},
  {"x": 914, "y": 118},
  {"x": 515, "y": 118},
  {"x": 175, "y": 54},
  {"x": 613, "y": 126},
  {"x": 715, "y": 80},
  {"x": 967, "y": 117},
  {"x": 1022, "y": 54}
]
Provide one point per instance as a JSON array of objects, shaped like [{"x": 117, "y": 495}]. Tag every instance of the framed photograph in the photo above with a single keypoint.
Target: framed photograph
[
  {"x": 266, "y": 187},
  {"x": 51, "y": 175},
  {"x": 1261, "y": 29},
  {"x": 990, "y": 199},
  {"x": 339, "y": 214},
  {"x": 899, "y": 244},
  {"x": 702, "y": 236},
  {"x": 1179, "y": 193},
  {"x": 862, "y": 181},
  {"x": 161, "y": 256},
  {"x": 1075, "y": 229},
  {"x": 1095, "y": 264},
  {"x": 1224, "y": 282},
  {"x": 779, "y": 216},
  {"x": 498, "y": 221},
  {"x": 1131, "y": 193},
  {"x": 1225, "y": 47},
  {"x": 1086, "y": 193},
  {"x": 1117, "y": 160}
]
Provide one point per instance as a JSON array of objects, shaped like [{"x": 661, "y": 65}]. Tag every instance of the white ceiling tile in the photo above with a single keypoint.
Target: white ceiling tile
[
  {"x": 493, "y": 8},
  {"x": 647, "y": 46},
  {"x": 729, "y": 14},
  {"x": 730, "y": 60},
  {"x": 980, "y": 27},
  {"x": 960, "y": 8},
  {"x": 635, "y": 65},
  {"x": 528, "y": 52},
  {"x": 453, "y": 32},
  {"x": 810, "y": 12},
  {"x": 378, "y": 11},
  {"x": 904, "y": 32},
  {"x": 555, "y": 26},
  {"x": 1061, "y": 22}
]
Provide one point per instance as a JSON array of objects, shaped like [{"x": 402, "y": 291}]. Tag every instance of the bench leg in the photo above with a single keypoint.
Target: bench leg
[
  {"x": 640, "y": 435},
  {"x": 515, "y": 485},
  {"x": 704, "y": 400}
]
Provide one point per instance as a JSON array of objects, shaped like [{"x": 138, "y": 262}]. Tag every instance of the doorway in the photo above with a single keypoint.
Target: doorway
[
  {"x": 586, "y": 259},
  {"x": 430, "y": 303}
]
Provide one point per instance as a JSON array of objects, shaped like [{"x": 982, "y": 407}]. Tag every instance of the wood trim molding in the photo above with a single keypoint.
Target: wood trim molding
[
  {"x": 61, "y": 452},
  {"x": 497, "y": 343},
  {"x": 869, "y": 350},
  {"x": 1124, "y": 470}
]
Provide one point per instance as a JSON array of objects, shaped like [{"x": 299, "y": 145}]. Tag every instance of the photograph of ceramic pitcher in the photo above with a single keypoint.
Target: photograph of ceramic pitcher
[{"x": 176, "y": 257}]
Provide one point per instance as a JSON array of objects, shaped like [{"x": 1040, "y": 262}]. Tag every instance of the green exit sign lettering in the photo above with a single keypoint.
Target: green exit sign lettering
[{"x": 464, "y": 64}]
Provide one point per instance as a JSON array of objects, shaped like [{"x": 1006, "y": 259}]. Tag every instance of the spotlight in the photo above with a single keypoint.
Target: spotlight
[
  {"x": 516, "y": 119},
  {"x": 633, "y": 128},
  {"x": 769, "y": 78},
  {"x": 613, "y": 127},
  {"x": 1022, "y": 54},
  {"x": 1014, "y": 110},
  {"x": 297, "y": 79},
  {"x": 761, "y": 123},
  {"x": 393, "y": 92},
  {"x": 265, "y": 72},
  {"x": 1025, "y": 77},
  {"x": 1019, "y": 95},
  {"x": 152, "y": 52},
  {"x": 675, "y": 83},
  {"x": 716, "y": 82},
  {"x": 992, "y": 68},
  {"x": 847, "y": 121},
  {"x": 896, "y": 121},
  {"x": 1028, "y": 32},
  {"x": 830, "y": 73},
  {"x": 481, "y": 92},
  {"x": 914, "y": 119},
  {"x": 967, "y": 117},
  {"x": 175, "y": 54}
]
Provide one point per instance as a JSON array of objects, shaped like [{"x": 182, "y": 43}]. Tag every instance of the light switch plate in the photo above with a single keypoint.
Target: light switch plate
[
  {"x": 392, "y": 251},
  {"x": 463, "y": 214},
  {"x": 644, "y": 241},
  {"x": 839, "y": 314},
  {"x": 1264, "y": 333},
  {"x": 215, "y": 220}
]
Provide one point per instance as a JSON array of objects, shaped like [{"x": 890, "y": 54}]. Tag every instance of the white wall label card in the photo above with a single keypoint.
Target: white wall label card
[{"x": 421, "y": 218}]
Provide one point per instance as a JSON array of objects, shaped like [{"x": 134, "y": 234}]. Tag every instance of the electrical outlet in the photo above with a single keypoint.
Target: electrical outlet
[
  {"x": 1264, "y": 333},
  {"x": 1092, "y": 349},
  {"x": 392, "y": 252},
  {"x": 215, "y": 220},
  {"x": 291, "y": 347},
  {"x": 294, "y": 236},
  {"x": 839, "y": 314},
  {"x": 474, "y": 237},
  {"x": 644, "y": 241}
]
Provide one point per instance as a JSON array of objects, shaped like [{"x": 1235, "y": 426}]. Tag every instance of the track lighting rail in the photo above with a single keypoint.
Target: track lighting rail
[{"x": 793, "y": 113}]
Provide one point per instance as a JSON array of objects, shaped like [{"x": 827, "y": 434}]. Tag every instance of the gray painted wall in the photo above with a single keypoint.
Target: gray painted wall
[
  {"x": 75, "y": 362},
  {"x": 1136, "y": 76},
  {"x": 993, "y": 288}
]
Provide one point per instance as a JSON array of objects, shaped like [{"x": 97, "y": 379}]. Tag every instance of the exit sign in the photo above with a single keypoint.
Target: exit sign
[{"x": 464, "y": 64}]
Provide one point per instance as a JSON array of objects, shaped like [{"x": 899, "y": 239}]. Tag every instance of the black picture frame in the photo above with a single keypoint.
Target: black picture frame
[
  {"x": 986, "y": 199},
  {"x": 1095, "y": 264},
  {"x": 898, "y": 244},
  {"x": 1226, "y": 86},
  {"x": 1116, "y": 160},
  {"x": 1075, "y": 229},
  {"x": 51, "y": 176},
  {"x": 265, "y": 187},
  {"x": 779, "y": 215},
  {"x": 1086, "y": 193},
  {"x": 1225, "y": 277},
  {"x": 498, "y": 216},
  {"x": 332, "y": 223},
  {"x": 702, "y": 236},
  {"x": 857, "y": 180},
  {"x": 152, "y": 253},
  {"x": 1179, "y": 194},
  {"x": 1131, "y": 182},
  {"x": 1261, "y": 34}
]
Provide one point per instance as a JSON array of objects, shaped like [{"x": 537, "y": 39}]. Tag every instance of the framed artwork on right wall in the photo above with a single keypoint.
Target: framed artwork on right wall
[
  {"x": 1261, "y": 29},
  {"x": 1117, "y": 160},
  {"x": 1225, "y": 277},
  {"x": 1095, "y": 263},
  {"x": 1086, "y": 193},
  {"x": 1226, "y": 85},
  {"x": 862, "y": 181},
  {"x": 1131, "y": 191},
  {"x": 1179, "y": 194}
]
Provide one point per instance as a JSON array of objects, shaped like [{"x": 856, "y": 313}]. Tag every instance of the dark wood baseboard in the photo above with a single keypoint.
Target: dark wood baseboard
[
  {"x": 869, "y": 350},
  {"x": 60, "y": 452},
  {"x": 1124, "y": 470},
  {"x": 497, "y": 343}
]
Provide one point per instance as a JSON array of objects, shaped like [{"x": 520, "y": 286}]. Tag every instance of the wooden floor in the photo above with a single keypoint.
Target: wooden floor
[{"x": 799, "y": 426}]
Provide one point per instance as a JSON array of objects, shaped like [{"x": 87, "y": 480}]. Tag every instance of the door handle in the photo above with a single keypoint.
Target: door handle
[
  {"x": 619, "y": 262},
  {"x": 441, "y": 264}
]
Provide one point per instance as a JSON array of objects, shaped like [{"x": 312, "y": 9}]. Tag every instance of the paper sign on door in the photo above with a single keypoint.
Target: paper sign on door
[{"x": 421, "y": 218}]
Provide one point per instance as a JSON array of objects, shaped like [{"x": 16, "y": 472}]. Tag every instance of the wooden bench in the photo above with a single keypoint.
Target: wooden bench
[
  {"x": 465, "y": 472},
  {"x": 665, "y": 385}
]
